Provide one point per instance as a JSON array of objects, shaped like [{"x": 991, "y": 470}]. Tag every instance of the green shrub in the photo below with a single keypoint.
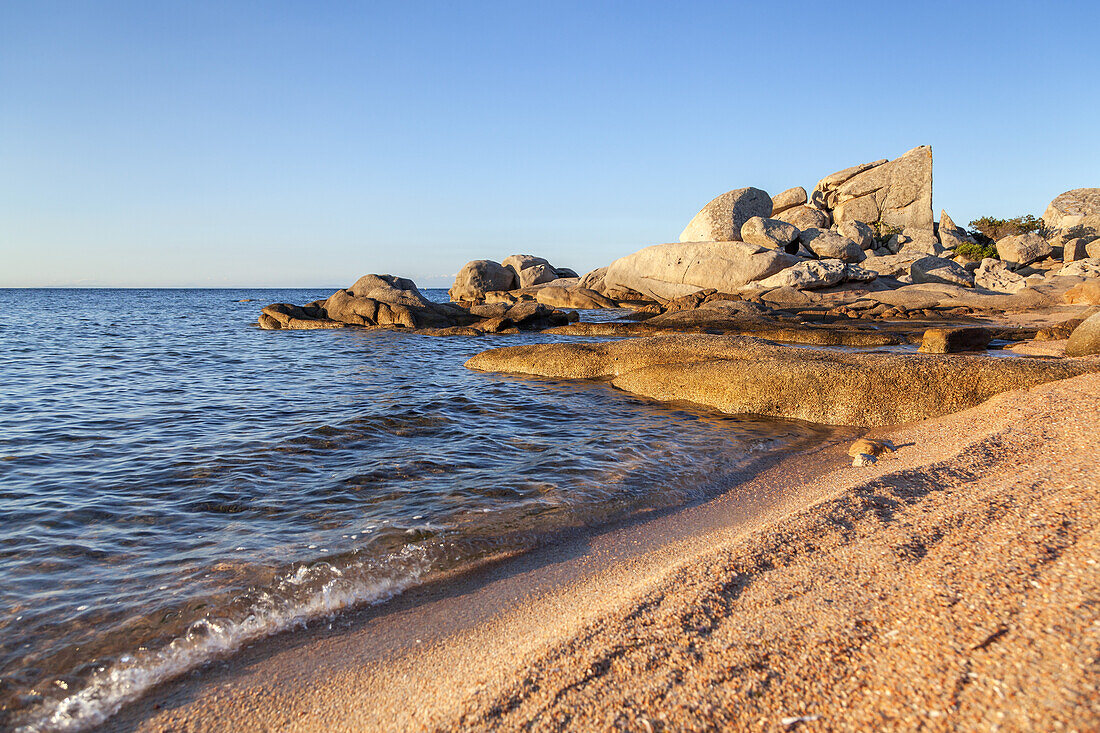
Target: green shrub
[
  {"x": 990, "y": 228},
  {"x": 885, "y": 231},
  {"x": 975, "y": 251}
]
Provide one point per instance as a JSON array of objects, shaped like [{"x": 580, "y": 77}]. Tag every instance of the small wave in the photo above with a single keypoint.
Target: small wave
[{"x": 209, "y": 638}]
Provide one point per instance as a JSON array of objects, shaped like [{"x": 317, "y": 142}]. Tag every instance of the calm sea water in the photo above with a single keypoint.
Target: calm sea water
[{"x": 175, "y": 482}]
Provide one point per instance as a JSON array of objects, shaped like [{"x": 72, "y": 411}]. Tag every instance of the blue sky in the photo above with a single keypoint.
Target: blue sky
[{"x": 305, "y": 144}]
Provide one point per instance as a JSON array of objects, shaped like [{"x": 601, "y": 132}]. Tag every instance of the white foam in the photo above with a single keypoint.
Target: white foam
[{"x": 134, "y": 674}]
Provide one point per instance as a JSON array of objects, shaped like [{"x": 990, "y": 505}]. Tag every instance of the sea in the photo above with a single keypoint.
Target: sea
[{"x": 176, "y": 483}]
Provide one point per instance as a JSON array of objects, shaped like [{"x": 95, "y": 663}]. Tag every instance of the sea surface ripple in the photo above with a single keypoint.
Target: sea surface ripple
[{"x": 175, "y": 482}]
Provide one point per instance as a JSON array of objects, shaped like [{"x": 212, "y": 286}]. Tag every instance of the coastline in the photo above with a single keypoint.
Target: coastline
[{"x": 947, "y": 586}]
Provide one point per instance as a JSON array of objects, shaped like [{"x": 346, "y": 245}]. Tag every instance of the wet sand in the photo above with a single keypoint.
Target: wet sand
[{"x": 954, "y": 585}]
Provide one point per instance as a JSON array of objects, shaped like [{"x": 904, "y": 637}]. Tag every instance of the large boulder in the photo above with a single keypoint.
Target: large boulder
[
  {"x": 721, "y": 220},
  {"x": 828, "y": 245},
  {"x": 788, "y": 199},
  {"x": 920, "y": 240},
  {"x": 859, "y": 232},
  {"x": 1023, "y": 249},
  {"x": 746, "y": 375},
  {"x": 1088, "y": 267},
  {"x": 1075, "y": 249},
  {"x": 1086, "y": 293},
  {"x": 771, "y": 233},
  {"x": 896, "y": 193},
  {"x": 1085, "y": 339},
  {"x": 522, "y": 262},
  {"x": 938, "y": 270},
  {"x": 479, "y": 277},
  {"x": 536, "y": 275},
  {"x": 994, "y": 275},
  {"x": 951, "y": 236},
  {"x": 593, "y": 280},
  {"x": 890, "y": 265},
  {"x": 805, "y": 217},
  {"x": 1079, "y": 207},
  {"x": 666, "y": 271},
  {"x": 808, "y": 275}
]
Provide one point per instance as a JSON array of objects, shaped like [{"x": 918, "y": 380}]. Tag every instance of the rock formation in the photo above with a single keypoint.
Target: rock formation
[
  {"x": 721, "y": 220},
  {"x": 479, "y": 277},
  {"x": 896, "y": 193},
  {"x": 788, "y": 199},
  {"x": 1023, "y": 249},
  {"x": 1079, "y": 207},
  {"x": 1085, "y": 339},
  {"x": 771, "y": 233},
  {"x": 385, "y": 301},
  {"x": 746, "y": 375},
  {"x": 666, "y": 271}
]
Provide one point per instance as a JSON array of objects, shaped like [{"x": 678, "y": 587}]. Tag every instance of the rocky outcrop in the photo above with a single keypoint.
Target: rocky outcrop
[
  {"x": 279, "y": 316},
  {"x": 896, "y": 193},
  {"x": 536, "y": 275},
  {"x": 1086, "y": 293},
  {"x": 771, "y": 233},
  {"x": 573, "y": 297},
  {"x": 938, "y": 270},
  {"x": 721, "y": 220},
  {"x": 479, "y": 277},
  {"x": 1023, "y": 249},
  {"x": 951, "y": 236},
  {"x": 747, "y": 375},
  {"x": 955, "y": 340},
  {"x": 890, "y": 265},
  {"x": 1085, "y": 339},
  {"x": 815, "y": 274},
  {"x": 385, "y": 301},
  {"x": 994, "y": 275},
  {"x": 666, "y": 271},
  {"x": 859, "y": 232},
  {"x": 828, "y": 245},
  {"x": 1088, "y": 267},
  {"x": 805, "y": 217},
  {"x": 1079, "y": 207},
  {"x": 788, "y": 200},
  {"x": 1075, "y": 249}
]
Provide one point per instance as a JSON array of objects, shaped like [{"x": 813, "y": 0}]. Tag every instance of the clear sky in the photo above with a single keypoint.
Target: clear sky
[{"x": 304, "y": 144}]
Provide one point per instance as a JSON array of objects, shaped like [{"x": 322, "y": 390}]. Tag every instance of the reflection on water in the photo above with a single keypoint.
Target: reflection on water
[{"x": 175, "y": 481}]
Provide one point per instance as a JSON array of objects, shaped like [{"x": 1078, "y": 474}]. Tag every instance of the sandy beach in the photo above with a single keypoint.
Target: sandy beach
[{"x": 951, "y": 586}]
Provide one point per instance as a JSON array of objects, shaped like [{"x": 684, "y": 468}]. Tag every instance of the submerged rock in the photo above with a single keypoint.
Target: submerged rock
[
  {"x": 385, "y": 301},
  {"x": 746, "y": 375},
  {"x": 954, "y": 340}
]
